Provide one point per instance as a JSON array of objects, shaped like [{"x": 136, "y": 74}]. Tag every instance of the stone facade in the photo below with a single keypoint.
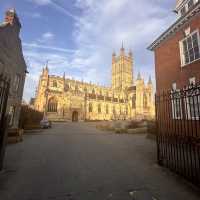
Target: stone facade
[
  {"x": 12, "y": 64},
  {"x": 63, "y": 99}
]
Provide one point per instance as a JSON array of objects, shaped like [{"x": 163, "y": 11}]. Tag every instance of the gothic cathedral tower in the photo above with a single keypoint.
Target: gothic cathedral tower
[{"x": 122, "y": 70}]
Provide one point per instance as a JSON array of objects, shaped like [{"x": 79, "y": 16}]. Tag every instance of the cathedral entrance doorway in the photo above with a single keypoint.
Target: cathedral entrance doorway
[{"x": 75, "y": 116}]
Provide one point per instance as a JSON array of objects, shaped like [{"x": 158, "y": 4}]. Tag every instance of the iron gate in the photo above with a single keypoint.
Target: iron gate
[
  {"x": 178, "y": 131},
  {"x": 4, "y": 92}
]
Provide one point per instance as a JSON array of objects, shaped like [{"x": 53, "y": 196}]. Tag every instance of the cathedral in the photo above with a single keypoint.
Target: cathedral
[{"x": 63, "y": 99}]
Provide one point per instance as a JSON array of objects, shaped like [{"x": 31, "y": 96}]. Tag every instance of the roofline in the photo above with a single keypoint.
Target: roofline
[
  {"x": 175, "y": 27},
  {"x": 181, "y": 4}
]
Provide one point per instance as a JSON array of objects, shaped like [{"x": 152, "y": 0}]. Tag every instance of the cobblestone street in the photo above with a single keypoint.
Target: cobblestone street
[{"x": 74, "y": 161}]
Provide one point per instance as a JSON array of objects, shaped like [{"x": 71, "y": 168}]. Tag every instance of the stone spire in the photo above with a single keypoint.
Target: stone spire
[
  {"x": 150, "y": 81},
  {"x": 46, "y": 69},
  {"x": 130, "y": 54},
  {"x": 113, "y": 57},
  {"x": 139, "y": 76},
  {"x": 122, "y": 50},
  {"x": 47, "y": 64}
]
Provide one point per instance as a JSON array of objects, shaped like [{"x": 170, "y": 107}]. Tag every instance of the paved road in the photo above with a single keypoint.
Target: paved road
[{"x": 78, "y": 162}]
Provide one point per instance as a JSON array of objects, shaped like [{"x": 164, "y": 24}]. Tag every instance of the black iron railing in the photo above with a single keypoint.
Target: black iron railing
[
  {"x": 178, "y": 131},
  {"x": 4, "y": 92}
]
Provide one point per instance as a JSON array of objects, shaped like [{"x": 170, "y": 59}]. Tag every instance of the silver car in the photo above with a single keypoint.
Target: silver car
[{"x": 45, "y": 123}]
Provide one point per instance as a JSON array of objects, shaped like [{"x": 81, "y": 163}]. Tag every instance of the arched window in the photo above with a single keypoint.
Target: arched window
[
  {"x": 90, "y": 107},
  {"x": 100, "y": 93},
  {"x": 93, "y": 91},
  {"x": 107, "y": 109},
  {"x": 120, "y": 111},
  {"x": 134, "y": 101},
  {"x": 66, "y": 87},
  {"x": 126, "y": 110},
  {"x": 52, "y": 105},
  {"x": 55, "y": 83},
  {"x": 76, "y": 88},
  {"x": 114, "y": 111},
  {"x": 145, "y": 101},
  {"x": 99, "y": 108}
]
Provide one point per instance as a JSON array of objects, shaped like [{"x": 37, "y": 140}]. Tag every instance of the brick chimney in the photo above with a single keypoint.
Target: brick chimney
[{"x": 11, "y": 17}]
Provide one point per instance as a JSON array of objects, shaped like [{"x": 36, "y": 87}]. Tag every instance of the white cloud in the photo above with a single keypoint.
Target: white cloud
[
  {"x": 36, "y": 15},
  {"x": 54, "y": 4},
  {"x": 48, "y": 36},
  {"x": 53, "y": 48},
  {"x": 104, "y": 24},
  {"x": 100, "y": 29},
  {"x": 41, "y": 2}
]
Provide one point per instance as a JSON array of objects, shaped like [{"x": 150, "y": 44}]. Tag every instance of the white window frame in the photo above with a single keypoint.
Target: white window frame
[
  {"x": 174, "y": 86},
  {"x": 192, "y": 80},
  {"x": 185, "y": 5},
  {"x": 183, "y": 64},
  {"x": 192, "y": 5},
  {"x": 176, "y": 105},
  {"x": 188, "y": 108}
]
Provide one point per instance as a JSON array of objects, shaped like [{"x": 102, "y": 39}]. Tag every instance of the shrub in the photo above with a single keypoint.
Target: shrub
[{"x": 29, "y": 117}]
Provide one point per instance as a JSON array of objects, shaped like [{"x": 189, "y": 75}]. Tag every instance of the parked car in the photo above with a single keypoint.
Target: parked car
[{"x": 45, "y": 123}]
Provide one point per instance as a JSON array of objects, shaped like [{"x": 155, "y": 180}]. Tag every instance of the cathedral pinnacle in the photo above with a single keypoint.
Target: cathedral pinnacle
[
  {"x": 122, "y": 48},
  {"x": 139, "y": 76},
  {"x": 47, "y": 64},
  {"x": 150, "y": 81},
  {"x": 130, "y": 53}
]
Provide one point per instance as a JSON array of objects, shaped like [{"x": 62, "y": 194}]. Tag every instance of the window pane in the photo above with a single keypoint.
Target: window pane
[
  {"x": 194, "y": 36},
  {"x": 191, "y": 49},
  {"x": 190, "y": 3},
  {"x": 189, "y": 41},
  {"x": 191, "y": 53},
  {"x": 195, "y": 40},
  {"x": 196, "y": 52},
  {"x": 184, "y": 46},
  {"x": 183, "y": 11}
]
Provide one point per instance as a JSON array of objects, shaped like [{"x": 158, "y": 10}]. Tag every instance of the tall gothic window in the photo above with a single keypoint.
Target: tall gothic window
[
  {"x": 134, "y": 101},
  {"x": 145, "y": 101},
  {"x": 55, "y": 83},
  {"x": 93, "y": 91},
  {"x": 99, "y": 108},
  {"x": 90, "y": 107},
  {"x": 52, "y": 105},
  {"x": 114, "y": 111},
  {"x": 76, "y": 88},
  {"x": 126, "y": 110},
  {"x": 107, "y": 109}
]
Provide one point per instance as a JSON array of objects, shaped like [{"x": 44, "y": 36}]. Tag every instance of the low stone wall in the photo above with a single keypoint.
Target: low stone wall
[{"x": 130, "y": 127}]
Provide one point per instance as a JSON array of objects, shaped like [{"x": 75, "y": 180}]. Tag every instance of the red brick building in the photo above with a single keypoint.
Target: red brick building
[{"x": 177, "y": 50}]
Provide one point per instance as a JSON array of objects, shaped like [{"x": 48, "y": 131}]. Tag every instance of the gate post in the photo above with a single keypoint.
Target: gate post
[{"x": 3, "y": 140}]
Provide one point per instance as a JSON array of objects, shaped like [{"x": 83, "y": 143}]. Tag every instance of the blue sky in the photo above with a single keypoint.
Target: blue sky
[{"x": 79, "y": 36}]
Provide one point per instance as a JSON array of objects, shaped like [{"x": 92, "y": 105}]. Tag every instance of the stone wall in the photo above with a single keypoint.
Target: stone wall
[{"x": 12, "y": 65}]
